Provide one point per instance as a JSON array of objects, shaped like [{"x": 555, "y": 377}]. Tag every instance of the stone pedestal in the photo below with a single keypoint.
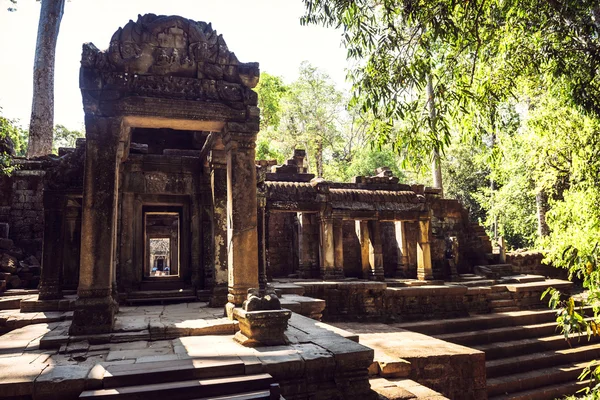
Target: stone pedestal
[
  {"x": 95, "y": 306},
  {"x": 52, "y": 255},
  {"x": 242, "y": 236},
  {"x": 262, "y": 328},
  {"x": 424, "y": 267}
]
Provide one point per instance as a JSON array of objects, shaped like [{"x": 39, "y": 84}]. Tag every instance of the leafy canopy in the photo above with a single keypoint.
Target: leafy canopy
[{"x": 474, "y": 50}]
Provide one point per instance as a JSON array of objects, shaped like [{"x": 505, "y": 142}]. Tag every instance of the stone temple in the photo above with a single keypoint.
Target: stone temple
[{"x": 159, "y": 259}]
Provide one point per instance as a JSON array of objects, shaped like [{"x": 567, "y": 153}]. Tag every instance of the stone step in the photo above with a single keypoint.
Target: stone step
[
  {"x": 161, "y": 300},
  {"x": 184, "y": 390},
  {"x": 480, "y": 322},
  {"x": 556, "y": 391},
  {"x": 474, "y": 283},
  {"x": 262, "y": 394},
  {"x": 161, "y": 296},
  {"x": 559, "y": 284},
  {"x": 534, "y": 379},
  {"x": 530, "y": 362},
  {"x": 169, "y": 371},
  {"x": 402, "y": 389},
  {"x": 287, "y": 288},
  {"x": 502, "y": 303},
  {"x": 307, "y": 306},
  {"x": 10, "y": 302},
  {"x": 494, "y": 351},
  {"x": 503, "y": 334},
  {"x": 523, "y": 278},
  {"x": 505, "y": 309}
]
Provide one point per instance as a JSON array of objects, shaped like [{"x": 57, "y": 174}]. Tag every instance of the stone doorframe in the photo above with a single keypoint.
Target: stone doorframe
[{"x": 107, "y": 145}]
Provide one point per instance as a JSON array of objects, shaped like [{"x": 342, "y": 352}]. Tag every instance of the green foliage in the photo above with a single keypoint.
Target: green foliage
[
  {"x": 270, "y": 90},
  {"x": 474, "y": 51},
  {"x": 64, "y": 137},
  {"x": 13, "y": 142},
  {"x": 266, "y": 150}
]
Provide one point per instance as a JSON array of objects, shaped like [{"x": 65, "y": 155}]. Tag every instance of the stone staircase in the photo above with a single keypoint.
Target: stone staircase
[
  {"x": 200, "y": 379},
  {"x": 526, "y": 357},
  {"x": 500, "y": 300}
]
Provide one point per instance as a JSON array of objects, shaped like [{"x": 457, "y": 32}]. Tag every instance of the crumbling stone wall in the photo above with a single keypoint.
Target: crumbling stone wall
[
  {"x": 532, "y": 262},
  {"x": 21, "y": 206}
]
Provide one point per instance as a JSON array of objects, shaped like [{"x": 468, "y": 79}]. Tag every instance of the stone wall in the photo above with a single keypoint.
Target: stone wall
[
  {"x": 283, "y": 259},
  {"x": 531, "y": 262},
  {"x": 21, "y": 206},
  {"x": 374, "y": 301}
]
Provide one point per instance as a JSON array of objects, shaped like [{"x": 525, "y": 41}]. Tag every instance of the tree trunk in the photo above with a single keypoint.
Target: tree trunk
[
  {"x": 436, "y": 167},
  {"x": 42, "y": 110},
  {"x": 319, "y": 157},
  {"x": 541, "y": 202}
]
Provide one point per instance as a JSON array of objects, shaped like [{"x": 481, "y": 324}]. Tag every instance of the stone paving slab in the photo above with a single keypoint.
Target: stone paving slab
[{"x": 315, "y": 350}]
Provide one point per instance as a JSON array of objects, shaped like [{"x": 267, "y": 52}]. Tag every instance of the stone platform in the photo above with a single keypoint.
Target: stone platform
[
  {"x": 320, "y": 361},
  {"x": 455, "y": 371},
  {"x": 403, "y": 300}
]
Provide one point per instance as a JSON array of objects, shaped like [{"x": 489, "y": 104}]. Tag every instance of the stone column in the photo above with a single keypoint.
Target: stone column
[
  {"x": 261, "y": 213},
  {"x": 307, "y": 249},
  {"x": 338, "y": 243},
  {"x": 95, "y": 307},
  {"x": 402, "y": 247},
  {"x": 375, "y": 251},
  {"x": 362, "y": 231},
  {"x": 326, "y": 247},
  {"x": 218, "y": 184},
  {"x": 424, "y": 268},
  {"x": 52, "y": 254},
  {"x": 242, "y": 236}
]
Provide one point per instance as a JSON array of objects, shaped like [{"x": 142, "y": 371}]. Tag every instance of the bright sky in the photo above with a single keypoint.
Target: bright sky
[{"x": 266, "y": 31}]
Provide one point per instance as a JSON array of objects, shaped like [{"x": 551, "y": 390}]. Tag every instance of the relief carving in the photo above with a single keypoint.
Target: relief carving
[{"x": 171, "y": 46}]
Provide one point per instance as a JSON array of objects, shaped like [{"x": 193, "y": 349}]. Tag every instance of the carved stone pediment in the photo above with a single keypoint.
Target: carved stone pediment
[{"x": 171, "y": 46}]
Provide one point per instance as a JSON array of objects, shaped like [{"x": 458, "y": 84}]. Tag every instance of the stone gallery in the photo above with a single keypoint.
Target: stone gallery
[{"x": 172, "y": 263}]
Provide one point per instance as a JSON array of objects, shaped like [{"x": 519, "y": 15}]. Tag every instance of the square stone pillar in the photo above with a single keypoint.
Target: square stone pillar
[
  {"x": 362, "y": 232},
  {"x": 307, "y": 245},
  {"x": 242, "y": 236},
  {"x": 424, "y": 268},
  {"x": 338, "y": 243},
  {"x": 95, "y": 307},
  {"x": 218, "y": 183},
  {"x": 400, "y": 228},
  {"x": 375, "y": 251},
  {"x": 52, "y": 254},
  {"x": 326, "y": 247}
]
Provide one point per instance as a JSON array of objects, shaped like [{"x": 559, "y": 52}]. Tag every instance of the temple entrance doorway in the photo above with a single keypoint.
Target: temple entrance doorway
[{"x": 162, "y": 247}]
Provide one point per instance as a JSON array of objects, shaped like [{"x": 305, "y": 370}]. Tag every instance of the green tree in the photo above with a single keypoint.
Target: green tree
[
  {"x": 13, "y": 142},
  {"x": 474, "y": 51},
  {"x": 64, "y": 137},
  {"x": 270, "y": 90},
  {"x": 311, "y": 116},
  {"x": 42, "y": 111}
]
